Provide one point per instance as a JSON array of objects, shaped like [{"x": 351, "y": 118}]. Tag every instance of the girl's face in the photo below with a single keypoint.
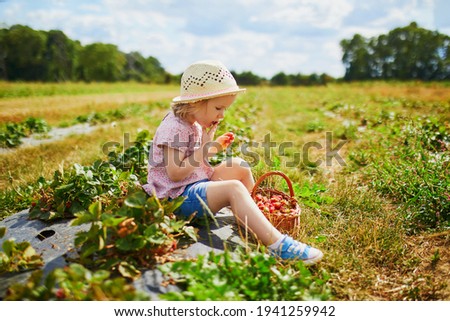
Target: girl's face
[{"x": 213, "y": 110}]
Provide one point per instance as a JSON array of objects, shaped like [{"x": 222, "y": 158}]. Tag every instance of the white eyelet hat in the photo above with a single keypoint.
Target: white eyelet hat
[{"x": 206, "y": 79}]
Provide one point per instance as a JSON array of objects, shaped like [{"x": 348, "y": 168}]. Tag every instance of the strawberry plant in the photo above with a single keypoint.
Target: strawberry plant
[
  {"x": 36, "y": 125},
  {"x": 100, "y": 118},
  {"x": 133, "y": 158},
  {"x": 74, "y": 283},
  {"x": 243, "y": 276},
  {"x": 12, "y": 133},
  {"x": 73, "y": 191},
  {"x": 131, "y": 233},
  {"x": 17, "y": 257},
  {"x": 313, "y": 195}
]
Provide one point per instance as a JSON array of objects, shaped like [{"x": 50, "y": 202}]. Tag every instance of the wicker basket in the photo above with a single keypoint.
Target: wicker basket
[{"x": 285, "y": 219}]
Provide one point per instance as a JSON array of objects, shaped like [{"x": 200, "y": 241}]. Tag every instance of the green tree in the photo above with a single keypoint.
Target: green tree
[
  {"x": 280, "y": 79},
  {"x": 356, "y": 58},
  {"x": 135, "y": 67},
  {"x": 143, "y": 69},
  {"x": 154, "y": 70},
  {"x": 297, "y": 80},
  {"x": 3, "y": 53},
  {"x": 25, "y": 51},
  {"x": 61, "y": 56},
  {"x": 247, "y": 78},
  {"x": 417, "y": 52},
  {"x": 404, "y": 53},
  {"x": 102, "y": 62}
]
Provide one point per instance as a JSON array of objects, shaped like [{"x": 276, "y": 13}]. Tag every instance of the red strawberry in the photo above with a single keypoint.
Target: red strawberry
[
  {"x": 230, "y": 135},
  {"x": 174, "y": 246},
  {"x": 277, "y": 205},
  {"x": 60, "y": 294}
]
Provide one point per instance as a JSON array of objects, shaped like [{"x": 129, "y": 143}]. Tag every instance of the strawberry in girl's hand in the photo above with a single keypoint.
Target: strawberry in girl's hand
[
  {"x": 230, "y": 136},
  {"x": 225, "y": 140}
]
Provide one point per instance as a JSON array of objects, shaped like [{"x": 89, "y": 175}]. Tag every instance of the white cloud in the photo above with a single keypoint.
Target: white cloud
[
  {"x": 287, "y": 62},
  {"x": 240, "y": 50},
  {"x": 411, "y": 11},
  {"x": 319, "y": 14}
]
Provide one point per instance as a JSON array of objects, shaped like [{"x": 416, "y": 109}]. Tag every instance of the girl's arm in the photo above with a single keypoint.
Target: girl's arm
[{"x": 178, "y": 166}]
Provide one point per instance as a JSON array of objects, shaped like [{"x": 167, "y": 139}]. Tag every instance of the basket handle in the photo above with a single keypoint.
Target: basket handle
[{"x": 260, "y": 179}]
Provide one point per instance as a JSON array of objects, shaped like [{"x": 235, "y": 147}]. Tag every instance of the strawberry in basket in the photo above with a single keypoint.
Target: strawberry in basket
[
  {"x": 273, "y": 204},
  {"x": 281, "y": 210}
]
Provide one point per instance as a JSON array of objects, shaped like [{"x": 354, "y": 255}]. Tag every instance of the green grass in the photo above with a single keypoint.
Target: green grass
[{"x": 22, "y": 89}]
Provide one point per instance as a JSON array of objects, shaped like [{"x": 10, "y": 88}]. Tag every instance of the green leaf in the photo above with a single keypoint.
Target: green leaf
[
  {"x": 111, "y": 221},
  {"x": 191, "y": 232},
  {"x": 129, "y": 244},
  {"x": 8, "y": 247},
  {"x": 96, "y": 209},
  {"x": 82, "y": 218},
  {"x": 77, "y": 208},
  {"x": 61, "y": 208},
  {"x": 172, "y": 206},
  {"x": 129, "y": 271},
  {"x": 89, "y": 250},
  {"x": 2, "y": 231},
  {"x": 29, "y": 251},
  {"x": 154, "y": 235},
  {"x": 158, "y": 214},
  {"x": 79, "y": 170},
  {"x": 101, "y": 243},
  {"x": 64, "y": 188},
  {"x": 136, "y": 200}
]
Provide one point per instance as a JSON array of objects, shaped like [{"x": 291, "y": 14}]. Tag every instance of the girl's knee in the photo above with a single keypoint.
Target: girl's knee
[
  {"x": 238, "y": 164},
  {"x": 237, "y": 161},
  {"x": 236, "y": 186}
]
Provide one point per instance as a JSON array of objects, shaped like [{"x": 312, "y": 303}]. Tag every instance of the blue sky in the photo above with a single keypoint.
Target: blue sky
[{"x": 293, "y": 36}]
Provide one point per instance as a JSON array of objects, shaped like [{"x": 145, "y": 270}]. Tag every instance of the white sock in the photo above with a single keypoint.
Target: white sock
[{"x": 276, "y": 245}]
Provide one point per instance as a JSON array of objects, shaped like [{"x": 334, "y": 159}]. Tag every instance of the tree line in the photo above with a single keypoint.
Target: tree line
[
  {"x": 51, "y": 56},
  {"x": 405, "y": 53}
]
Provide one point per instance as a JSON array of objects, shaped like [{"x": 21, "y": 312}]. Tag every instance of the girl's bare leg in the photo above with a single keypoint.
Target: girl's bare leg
[
  {"x": 231, "y": 185},
  {"x": 233, "y": 192},
  {"x": 234, "y": 168}
]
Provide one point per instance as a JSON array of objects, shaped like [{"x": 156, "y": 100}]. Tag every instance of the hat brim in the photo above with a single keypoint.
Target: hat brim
[{"x": 193, "y": 99}]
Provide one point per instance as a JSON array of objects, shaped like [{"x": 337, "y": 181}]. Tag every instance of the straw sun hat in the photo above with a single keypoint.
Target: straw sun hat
[{"x": 206, "y": 79}]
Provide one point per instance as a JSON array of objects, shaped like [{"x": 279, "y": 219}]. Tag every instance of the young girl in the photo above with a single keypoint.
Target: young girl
[{"x": 178, "y": 160}]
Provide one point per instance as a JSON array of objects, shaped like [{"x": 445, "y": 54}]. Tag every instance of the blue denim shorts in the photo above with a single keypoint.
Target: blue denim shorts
[{"x": 191, "y": 203}]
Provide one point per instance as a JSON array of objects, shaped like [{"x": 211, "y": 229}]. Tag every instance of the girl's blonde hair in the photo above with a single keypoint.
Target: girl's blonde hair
[{"x": 183, "y": 110}]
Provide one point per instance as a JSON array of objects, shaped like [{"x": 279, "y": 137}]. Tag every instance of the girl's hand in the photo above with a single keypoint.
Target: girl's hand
[
  {"x": 208, "y": 133},
  {"x": 225, "y": 140}
]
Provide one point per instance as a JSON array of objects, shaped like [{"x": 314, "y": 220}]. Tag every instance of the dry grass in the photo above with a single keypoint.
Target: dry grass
[{"x": 58, "y": 109}]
